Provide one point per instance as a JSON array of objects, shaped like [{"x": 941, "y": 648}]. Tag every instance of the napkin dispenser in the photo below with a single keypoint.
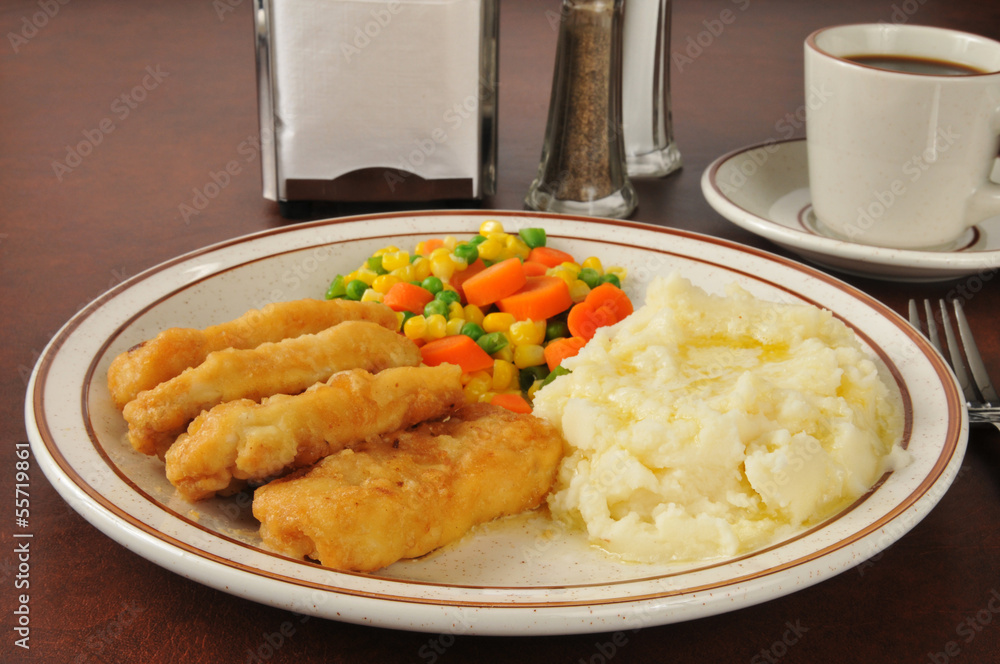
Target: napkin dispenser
[{"x": 377, "y": 100}]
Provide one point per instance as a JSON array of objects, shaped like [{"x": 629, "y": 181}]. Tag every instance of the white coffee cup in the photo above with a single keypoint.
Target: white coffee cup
[{"x": 900, "y": 159}]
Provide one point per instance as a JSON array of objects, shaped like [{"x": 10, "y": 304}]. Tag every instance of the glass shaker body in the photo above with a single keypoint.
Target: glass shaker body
[
  {"x": 650, "y": 150},
  {"x": 582, "y": 169}
]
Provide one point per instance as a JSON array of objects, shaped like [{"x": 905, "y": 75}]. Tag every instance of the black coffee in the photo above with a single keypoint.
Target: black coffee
[{"x": 915, "y": 65}]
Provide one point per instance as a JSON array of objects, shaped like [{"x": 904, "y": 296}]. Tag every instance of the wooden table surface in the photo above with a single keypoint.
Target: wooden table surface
[{"x": 66, "y": 237}]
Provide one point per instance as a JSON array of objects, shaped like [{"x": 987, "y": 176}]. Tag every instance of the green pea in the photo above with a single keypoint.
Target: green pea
[
  {"x": 611, "y": 279},
  {"x": 467, "y": 252},
  {"x": 355, "y": 289},
  {"x": 447, "y": 296},
  {"x": 477, "y": 240},
  {"x": 433, "y": 284},
  {"x": 407, "y": 315},
  {"x": 436, "y": 307},
  {"x": 533, "y": 237},
  {"x": 472, "y": 331},
  {"x": 589, "y": 276},
  {"x": 527, "y": 376},
  {"x": 493, "y": 342},
  {"x": 337, "y": 288},
  {"x": 555, "y": 329}
]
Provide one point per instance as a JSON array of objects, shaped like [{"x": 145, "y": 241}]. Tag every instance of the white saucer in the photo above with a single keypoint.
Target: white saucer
[{"x": 765, "y": 189}]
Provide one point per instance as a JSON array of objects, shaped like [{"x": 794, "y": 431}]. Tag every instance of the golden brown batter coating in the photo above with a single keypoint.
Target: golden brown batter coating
[
  {"x": 411, "y": 492},
  {"x": 152, "y": 362},
  {"x": 158, "y": 415},
  {"x": 246, "y": 440}
]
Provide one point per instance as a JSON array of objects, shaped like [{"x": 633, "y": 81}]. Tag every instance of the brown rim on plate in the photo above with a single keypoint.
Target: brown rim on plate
[{"x": 954, "y": 406}]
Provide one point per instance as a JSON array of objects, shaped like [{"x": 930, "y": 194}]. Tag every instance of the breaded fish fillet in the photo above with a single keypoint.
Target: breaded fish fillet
[
  {"x": 152, "y": 362},
  {"x": 158, "y": 415},
  {"x": 411, "y": 492},
  {"x": 246, "y": 440}
]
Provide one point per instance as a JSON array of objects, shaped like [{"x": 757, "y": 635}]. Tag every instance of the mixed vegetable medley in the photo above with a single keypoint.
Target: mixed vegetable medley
[{"x": 505, "y": 307}]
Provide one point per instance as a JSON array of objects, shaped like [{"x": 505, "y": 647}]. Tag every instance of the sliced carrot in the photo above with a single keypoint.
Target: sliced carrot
[
  {"x": 540, "y": 298},
  {"x": 404, "y": 296},
  {"x": 549, "y": 256},
  {"x": 432, "y": 244},
  {"x": 558, "y": 350},
  {"x": 495, "y": 282},
  {"x": 584, "y": 319},
  {"x": 612, "y": 297},
  {"x": 459, "y": 278},
  {"x": 511, "y": 401},
  {"x": 535, "y": 269},
  {"x": 458, "y": 349}
]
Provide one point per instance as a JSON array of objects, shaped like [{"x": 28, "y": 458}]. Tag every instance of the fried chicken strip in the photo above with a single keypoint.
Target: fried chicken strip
[
  {"x": 246, "y": 440},
  {"x": 152, "y": 362},
  {"x": 411, "y": 492},
  {"x": 158, "y": 415}
]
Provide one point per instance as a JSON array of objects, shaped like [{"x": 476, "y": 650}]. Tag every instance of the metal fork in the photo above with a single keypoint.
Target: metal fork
[{"x": 981, "y": 397}]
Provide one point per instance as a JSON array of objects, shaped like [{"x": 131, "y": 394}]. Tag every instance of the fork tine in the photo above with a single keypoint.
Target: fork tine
[
  {"x": 932, "y": 332},
  {"x": 957, "y": 363},
  {"x": 976, "y": 364}
]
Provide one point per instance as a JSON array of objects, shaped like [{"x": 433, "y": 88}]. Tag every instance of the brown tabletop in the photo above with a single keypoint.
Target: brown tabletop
[{"x": 66, "y": 237}]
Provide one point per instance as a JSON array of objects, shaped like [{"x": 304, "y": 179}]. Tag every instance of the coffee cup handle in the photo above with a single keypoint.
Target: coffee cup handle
[{"x": 985, "y": 201}]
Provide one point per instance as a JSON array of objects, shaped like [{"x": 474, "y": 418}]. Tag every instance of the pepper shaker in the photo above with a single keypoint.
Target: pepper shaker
[
  {"x": 650, "y": 150},
  {"x": 582, "y": 169}
]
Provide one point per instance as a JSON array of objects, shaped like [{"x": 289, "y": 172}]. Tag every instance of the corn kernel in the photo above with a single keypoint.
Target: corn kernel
[
  {"x": 399, "y": 321},
  {"x": 371, "y": 295},
  {"x": 479, "y": 383},
  {"x": 460, "y": 263},
  {"x": 618, "y": 271},
  {"x": 415, "y": 328},
  {"x": 562, "y": 273},
  {"x": 384, "y": 282},
  {"x": 498, "y": 322},
  {"x": 439, "y": 252},
  {"x": 537, "y": 385},
  {"x": 421, "y": 248},
  {"x": 487, "y": 396},
  {"x": 529, "y": 355},
  {"x": 578, "y": 290},
  {"x": 503, "y": 375},
  {"x": 367, "y": 275},
  {"x": 437, "y": 327},
  {"x": 405, "y": 273},
  {"x": 594, "y": 263},
  {"x": 571, "y": 267},
  {"x": 456, "y": 311},
  {"x": 527, "y": 332},
  {"x": 442, "y": 267},
  {"x": 454, "y": 326},
  {"x": 517, "y": 246},
  {"x": 421, "y": 268},
  {"x": 506, "y": 353},
  {"x": 385, "y": 250},
  {"x": 490, "y": 249},
  {"x": 490, "y": 226},
  {"x": 449, "y": 242},
  {"x": 394, "y": 260},
  {"x": 473, "y": 314}
]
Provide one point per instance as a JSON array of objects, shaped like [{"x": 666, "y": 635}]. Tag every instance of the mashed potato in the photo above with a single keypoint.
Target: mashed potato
[{"x": 704, "y": 426}]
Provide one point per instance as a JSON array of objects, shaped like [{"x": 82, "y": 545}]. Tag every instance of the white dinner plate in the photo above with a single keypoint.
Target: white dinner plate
[
  {"x": 521, "y": 575},
  {"x": 765, "y": 190}
]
